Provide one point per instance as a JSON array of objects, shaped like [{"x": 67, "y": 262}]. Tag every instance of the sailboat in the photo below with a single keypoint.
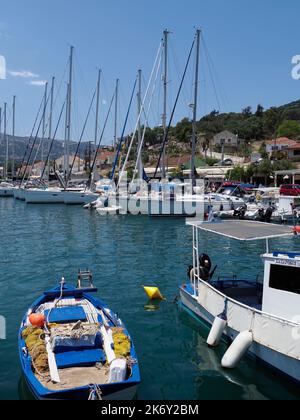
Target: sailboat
[
  {"x": 86, "y": 195},
  {"x": 166, "y": 198},
  {"x": 7, "y": 188},
  {"x": 47, "y": 195}
]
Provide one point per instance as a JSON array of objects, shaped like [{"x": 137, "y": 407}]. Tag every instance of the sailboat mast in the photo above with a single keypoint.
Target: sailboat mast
[
  {"x": 1, "y": 129},
  {"x": 51, "y": 108},
  {"x": 195, "y": 109},
  {"x": 50, "y": 123},
  {"x": 164, "y": 116},
  {"x": 68, "y": 117},
  {"x": 13, "y": 138},
  {"x": 97, "y": 107},
  {"x": 139, "y": 97},
  {"x": 44, "y": 121},
  {"x": 5, "y": 142},
  {"x": 116, "y": 113}
]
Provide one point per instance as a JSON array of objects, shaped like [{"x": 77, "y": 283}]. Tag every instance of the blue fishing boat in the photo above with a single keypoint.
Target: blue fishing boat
[{"x": 73, "y": 347}]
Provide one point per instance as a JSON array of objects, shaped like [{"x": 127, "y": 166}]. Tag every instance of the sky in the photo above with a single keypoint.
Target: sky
[{"x": 250, "y": 46}]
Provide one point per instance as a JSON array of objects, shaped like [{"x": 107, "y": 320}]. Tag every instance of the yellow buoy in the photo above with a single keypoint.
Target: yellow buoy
[{"x": 153, "y": 293}]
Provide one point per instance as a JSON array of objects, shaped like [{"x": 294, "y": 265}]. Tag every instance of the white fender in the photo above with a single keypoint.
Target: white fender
[
  {"x": 237, "y": 350},
  {"x": 216, "y": 332}
]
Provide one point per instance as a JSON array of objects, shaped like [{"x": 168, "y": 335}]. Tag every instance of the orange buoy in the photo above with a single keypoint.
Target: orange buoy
[
  {"x": 37, "y": 320},
  {"x": 297, "y": 229}
]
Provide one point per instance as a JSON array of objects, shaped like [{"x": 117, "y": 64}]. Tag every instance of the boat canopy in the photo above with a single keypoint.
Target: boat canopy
[{"x": 244, "y": 230}]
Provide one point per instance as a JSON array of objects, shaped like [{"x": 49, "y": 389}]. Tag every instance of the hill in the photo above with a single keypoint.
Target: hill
[
  {"x": 250, "y": 125},
  {"x": 21, "y": 144}
]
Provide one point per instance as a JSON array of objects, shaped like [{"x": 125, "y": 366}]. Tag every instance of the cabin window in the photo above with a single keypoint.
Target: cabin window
[{"x": 285, "y": 278}]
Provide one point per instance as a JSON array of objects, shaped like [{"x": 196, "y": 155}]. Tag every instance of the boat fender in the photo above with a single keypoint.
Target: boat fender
[
  {"x": 237, "y": 350},
  {"x": 216, "y": 331}
]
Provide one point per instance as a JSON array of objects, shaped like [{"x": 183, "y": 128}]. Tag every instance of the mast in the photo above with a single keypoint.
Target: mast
[
  {"x": 6, "y": 143},
  {"x": 1, "y": 128},
  {"x": 97, "y": 106},
  {"x": 97, "y": 116},
  {"x": 195, "y": 109},
  {"x": 139, "y": 100},
  {"x": 116, "y": 114},
  {"x": 165, "y": 82},
  {"x": 51, "y": 108},
  {"x": 13, "y": 138},
  {"x": 50, "y": 122},
  {"x": 44, "y": 121},
  {"x": 68, "y": 117}
]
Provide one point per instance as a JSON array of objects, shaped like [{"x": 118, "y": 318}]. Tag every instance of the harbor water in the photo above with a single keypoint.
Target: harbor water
[{"x": 40, "y": 244}]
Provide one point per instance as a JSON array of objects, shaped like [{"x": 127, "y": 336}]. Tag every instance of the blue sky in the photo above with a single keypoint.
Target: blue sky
[{"x": 251, "y": 45}]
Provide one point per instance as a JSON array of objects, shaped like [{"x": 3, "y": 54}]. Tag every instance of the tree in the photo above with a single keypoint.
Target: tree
[
  {"x": 289, "y": 128},
  {"x": 237, "y": 174},
  {"x": 263, "y": 150},
  {"x": 260, "y": 111},
  {"x": 247, "y": 112},
  {"x": 183, "y": 130},
  {"x": 271, "y": 121}
]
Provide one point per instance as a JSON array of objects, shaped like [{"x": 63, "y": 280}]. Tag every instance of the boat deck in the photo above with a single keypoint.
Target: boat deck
[{"x": 77, "y": 377}]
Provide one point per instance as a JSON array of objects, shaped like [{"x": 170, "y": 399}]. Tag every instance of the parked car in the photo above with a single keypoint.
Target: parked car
[
  {"x": 226, "y": 162},
  {"x": 290, "y": 189}
]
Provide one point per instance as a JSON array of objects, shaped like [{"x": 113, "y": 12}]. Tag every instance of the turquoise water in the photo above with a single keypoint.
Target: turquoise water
[{"x": 40, "y": 244}]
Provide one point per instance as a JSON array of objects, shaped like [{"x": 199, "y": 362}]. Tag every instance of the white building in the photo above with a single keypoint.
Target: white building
[{"x": 227, "y": 139}]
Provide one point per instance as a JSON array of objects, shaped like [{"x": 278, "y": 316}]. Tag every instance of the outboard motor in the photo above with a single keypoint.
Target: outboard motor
[
  {"x": 269, "y": 214},
  {"x": 266, "y": 215},
  {"x": 240, "y": 212},
  {"x": 205, "y": 268}
]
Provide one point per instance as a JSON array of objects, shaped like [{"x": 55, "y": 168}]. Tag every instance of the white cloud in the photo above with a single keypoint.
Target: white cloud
[
  {"x": 38, "y": 83},
  {"x": 25, "y": 74}
]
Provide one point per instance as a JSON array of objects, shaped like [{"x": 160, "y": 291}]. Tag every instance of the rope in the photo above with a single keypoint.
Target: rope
[
  {"x": 42, "y": 375},
  {"x": 95, "y": 393}
]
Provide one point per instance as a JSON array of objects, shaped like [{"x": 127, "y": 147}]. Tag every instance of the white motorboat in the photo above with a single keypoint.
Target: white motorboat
[{"x": 261, "y": 320}]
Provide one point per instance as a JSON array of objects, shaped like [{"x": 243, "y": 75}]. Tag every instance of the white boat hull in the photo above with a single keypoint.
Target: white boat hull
[
  {"x": 71, "y": 197},
  {"x": 44, "y": 196},
  {"x": 181, "y": 206},
  {"x": 19, "y": 194},
  {"x": 286, "y": 365},
  {"x": 6, "y": 192}
]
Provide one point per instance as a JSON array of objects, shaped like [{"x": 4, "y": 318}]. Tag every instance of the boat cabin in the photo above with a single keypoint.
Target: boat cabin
[
  {"x": 282, "y": 284},
  {"x": 278, "y": 294}
]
